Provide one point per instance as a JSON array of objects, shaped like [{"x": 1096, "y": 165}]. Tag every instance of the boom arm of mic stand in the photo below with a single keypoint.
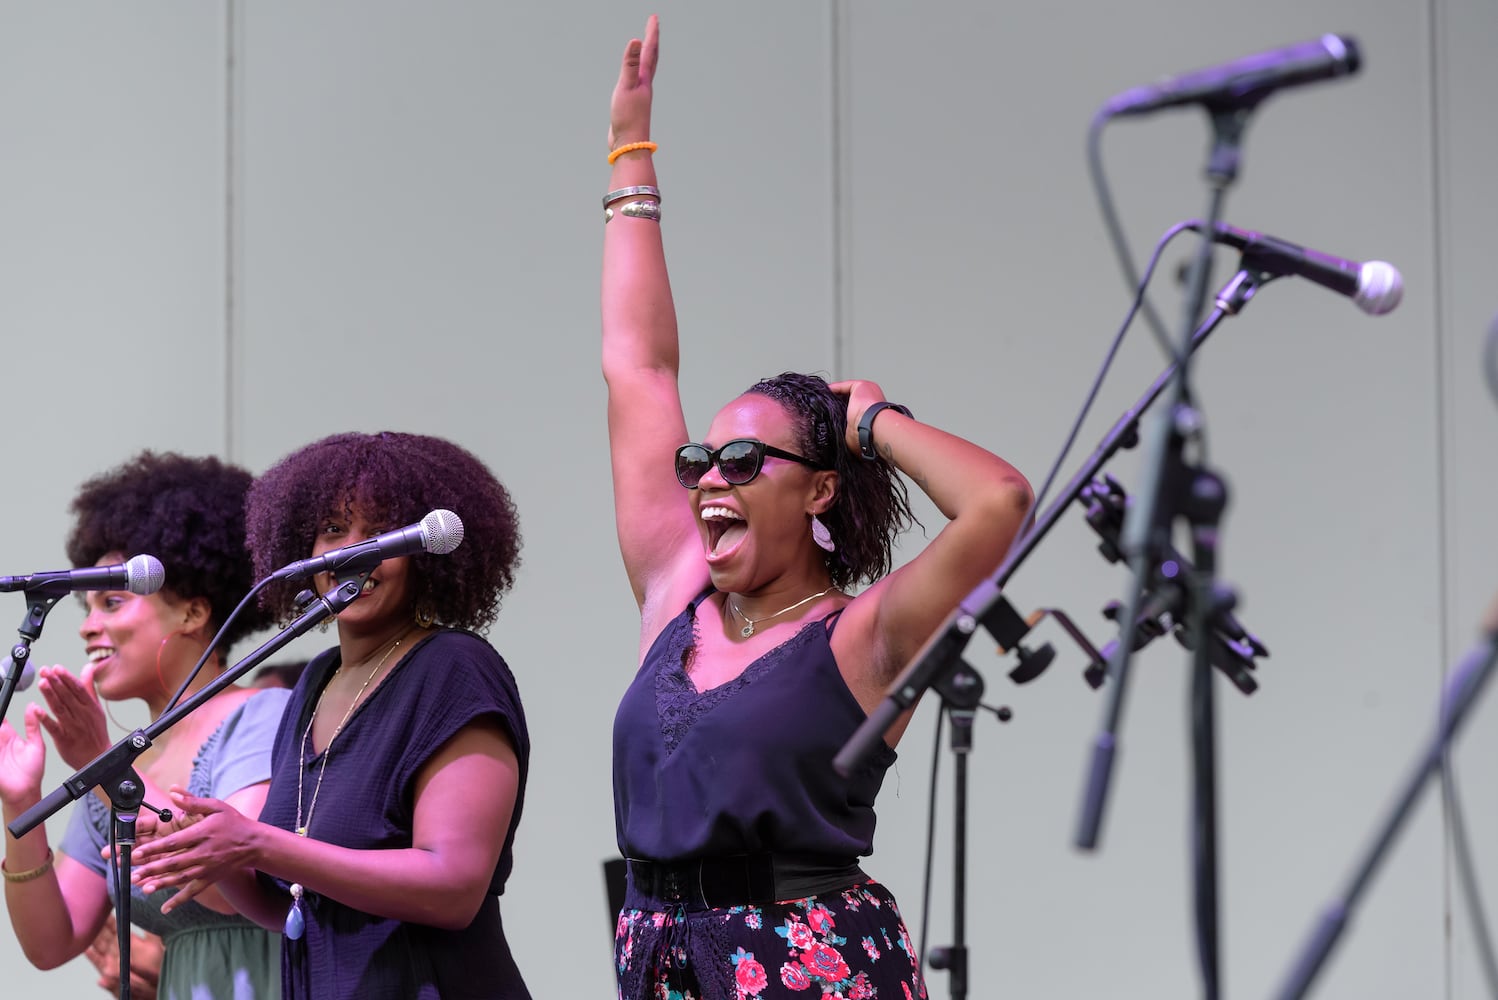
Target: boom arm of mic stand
[
  {"x": 944, "y": 648},
  {"x": 121, "y": 756}
]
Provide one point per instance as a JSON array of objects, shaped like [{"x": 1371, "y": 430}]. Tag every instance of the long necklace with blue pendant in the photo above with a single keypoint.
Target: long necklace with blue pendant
[{"x": 296, "y": 923}]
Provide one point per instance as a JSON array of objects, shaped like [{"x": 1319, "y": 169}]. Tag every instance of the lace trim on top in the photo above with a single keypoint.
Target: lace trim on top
[{"x": 677, "y": 699}]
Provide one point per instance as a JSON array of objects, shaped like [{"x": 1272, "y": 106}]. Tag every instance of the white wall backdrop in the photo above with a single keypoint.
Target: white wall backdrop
[{"x": 235, "y": 227}]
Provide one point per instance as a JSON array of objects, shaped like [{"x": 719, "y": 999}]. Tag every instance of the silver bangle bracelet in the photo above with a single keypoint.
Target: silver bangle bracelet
[
  {"x": 641, "y": 209},
  {"x": 625, "y": 192}
]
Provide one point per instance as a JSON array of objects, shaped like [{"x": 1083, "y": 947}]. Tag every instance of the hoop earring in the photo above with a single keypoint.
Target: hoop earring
[
  {"x": 821, "y": 535},
  {"x": 105, "y": 704},
  {"x": 425, "y": 616}
]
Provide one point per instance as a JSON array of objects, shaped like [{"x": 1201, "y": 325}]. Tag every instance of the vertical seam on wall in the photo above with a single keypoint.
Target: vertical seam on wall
[
  {"x": 842, "y": 223},
  {"x": 1443, "y": 425},
  {"x": 231, "y": 261}
]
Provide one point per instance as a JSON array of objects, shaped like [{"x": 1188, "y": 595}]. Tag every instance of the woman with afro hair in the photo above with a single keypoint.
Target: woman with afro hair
[
  {"x": 757, "y": 664},
  {"x": 400, "y": 765},
  {"x": 188, "y": 513}
]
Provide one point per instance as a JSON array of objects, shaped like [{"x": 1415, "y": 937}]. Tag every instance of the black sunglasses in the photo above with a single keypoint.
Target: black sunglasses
[{"x": 739, "y": 461}]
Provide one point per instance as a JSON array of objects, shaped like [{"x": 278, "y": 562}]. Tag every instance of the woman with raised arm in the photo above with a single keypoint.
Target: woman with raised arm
[
  {"x": 400, "y": 767},
  {"x": 757, "y": 664},
  {"x": 188, "y": 513}
]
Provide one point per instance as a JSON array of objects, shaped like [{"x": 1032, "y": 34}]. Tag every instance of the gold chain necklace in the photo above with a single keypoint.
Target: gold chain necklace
[
  {"x": 749, "y": 623},
  {"x": 327, "y": 751},
  {"x": 296, "y": 924}
]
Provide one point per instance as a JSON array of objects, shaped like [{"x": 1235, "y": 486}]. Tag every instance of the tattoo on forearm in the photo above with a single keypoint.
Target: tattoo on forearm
[{"x": 915, "y": 475}]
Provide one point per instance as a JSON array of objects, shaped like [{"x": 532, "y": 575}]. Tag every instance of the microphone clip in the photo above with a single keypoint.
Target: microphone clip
[{"x": 1165, "y": 609}]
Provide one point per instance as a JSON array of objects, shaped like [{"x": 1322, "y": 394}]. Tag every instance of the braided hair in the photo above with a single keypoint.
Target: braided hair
[{"x": 872, "y": 505}]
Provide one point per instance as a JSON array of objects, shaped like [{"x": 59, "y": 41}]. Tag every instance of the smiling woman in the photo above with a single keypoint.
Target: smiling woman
[
  {"x": 400, "y": 769},
  {"x": 189, "y": 513},
  {"x": 756, "y": 663}
]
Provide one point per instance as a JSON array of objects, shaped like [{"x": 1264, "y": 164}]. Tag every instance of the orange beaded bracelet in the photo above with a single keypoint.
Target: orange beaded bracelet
[{"x": 630, "y": 147}]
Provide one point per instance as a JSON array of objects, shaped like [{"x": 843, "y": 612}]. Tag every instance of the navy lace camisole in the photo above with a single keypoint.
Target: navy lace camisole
[{"x": 745, "y": 767}]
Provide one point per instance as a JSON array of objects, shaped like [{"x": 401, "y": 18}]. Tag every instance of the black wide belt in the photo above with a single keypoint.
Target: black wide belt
[{"x": 735, "y": 880}]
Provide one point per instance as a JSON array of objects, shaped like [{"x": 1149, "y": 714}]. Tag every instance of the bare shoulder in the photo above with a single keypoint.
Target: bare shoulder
[{"x": 861, "y": 655}]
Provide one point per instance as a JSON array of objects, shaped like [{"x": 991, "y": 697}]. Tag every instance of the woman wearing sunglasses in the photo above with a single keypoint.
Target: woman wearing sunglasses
[{"x": 757, "y": 663}]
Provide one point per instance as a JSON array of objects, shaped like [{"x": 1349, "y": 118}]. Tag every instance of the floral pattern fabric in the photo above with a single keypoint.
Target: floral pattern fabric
[{"x": 851, "y": 945}]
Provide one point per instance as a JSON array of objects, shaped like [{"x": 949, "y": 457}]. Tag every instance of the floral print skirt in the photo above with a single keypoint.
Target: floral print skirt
[{"x": 850, "y": 944}]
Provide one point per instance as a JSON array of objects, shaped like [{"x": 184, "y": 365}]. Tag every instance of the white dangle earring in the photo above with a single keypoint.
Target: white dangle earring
[{"x": 821, "y": 535}]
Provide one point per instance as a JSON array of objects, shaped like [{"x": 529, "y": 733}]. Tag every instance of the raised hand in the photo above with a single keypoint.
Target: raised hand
[
  {"x": 629, "y": 111},
  {"x": 76, "y": 725},
  {"x": 217, "y": 839},
  {"x": 23, "y": 758}
]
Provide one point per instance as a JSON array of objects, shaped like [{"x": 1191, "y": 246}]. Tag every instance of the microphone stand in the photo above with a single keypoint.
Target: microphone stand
[
  {"x": 1167, "y": 480},
  {"x": 38, "y": 604},
  {"x": 961, "y": 695},
  {"x": 939, "y": 664},
  {"x": 985, "y": 604},
  {"x": 113, "y": 770},
  {"x": 1467, "y": 680}
]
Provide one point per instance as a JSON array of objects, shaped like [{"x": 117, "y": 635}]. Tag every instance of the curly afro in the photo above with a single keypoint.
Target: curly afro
[
  {"x": 395, "y": 479},
  {"x": 872, "y": 505},
  {"x": 187, "y": 512}
]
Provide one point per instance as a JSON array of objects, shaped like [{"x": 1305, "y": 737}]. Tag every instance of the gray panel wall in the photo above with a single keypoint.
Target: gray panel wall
[{"x": 247, "y": 226}]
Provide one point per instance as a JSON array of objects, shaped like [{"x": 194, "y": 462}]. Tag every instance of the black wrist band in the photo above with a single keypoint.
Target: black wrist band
[{"x": 866, "y": 427}]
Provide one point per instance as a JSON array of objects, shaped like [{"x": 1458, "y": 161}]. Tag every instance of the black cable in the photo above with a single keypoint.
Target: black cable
[
  {"x": 214, "y": 642},
  {"x": 941, "y": 717},
  {"x": 1466, "y": 875},
  {"x": 1116, "y": 234},
  {"x": 1118, "y": 338}
]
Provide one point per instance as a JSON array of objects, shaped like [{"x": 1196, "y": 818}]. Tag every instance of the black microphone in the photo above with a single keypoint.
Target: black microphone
[
  {"x": 439, "y": 533},
  {"x": 139, "y": 575},
  {"x": 1375, "y": 285},
  {"x": 1244, "y": 82}
]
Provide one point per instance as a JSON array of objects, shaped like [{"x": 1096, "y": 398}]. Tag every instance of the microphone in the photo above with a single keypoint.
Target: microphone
[
  {"x": 439, "y": 533},
  {"x": 1243, "y": 83},
  {"x": 139, "y": 575},
  {"x": 1375, "y": 286}
]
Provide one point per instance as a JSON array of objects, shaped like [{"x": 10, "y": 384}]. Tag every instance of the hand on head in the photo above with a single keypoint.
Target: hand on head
[
  {"x": 860, "y": 395},
  {"x": 629, "y": 111}
]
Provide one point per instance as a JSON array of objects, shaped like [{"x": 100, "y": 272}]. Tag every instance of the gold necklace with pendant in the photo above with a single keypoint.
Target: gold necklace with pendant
[{"x": 749, "y": 623}]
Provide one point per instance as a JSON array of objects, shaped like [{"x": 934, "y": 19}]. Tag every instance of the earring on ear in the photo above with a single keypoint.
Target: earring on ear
[
  {"x": 821, "y": 535},
  {"x": 425, "y": 615}
]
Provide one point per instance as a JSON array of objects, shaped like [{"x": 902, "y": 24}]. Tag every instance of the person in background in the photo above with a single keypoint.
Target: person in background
[
  {"x": 279, "y": 675},
  {"x": 400, "y": 768},
  {"x": 188, "y": 513},
  {"x": 146, "y": 948},
  {"x": 757, "y": 662}
]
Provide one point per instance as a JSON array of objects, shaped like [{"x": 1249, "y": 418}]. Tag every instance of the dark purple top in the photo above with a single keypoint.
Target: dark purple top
[
  {"x": 448, "y": 680},
  {"x": 745, "y": 767}
]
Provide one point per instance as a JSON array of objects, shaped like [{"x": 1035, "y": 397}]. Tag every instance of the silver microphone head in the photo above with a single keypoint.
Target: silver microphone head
[
  {"x": 1380, "y": 287},
  {"x": 441, "y": 532},
  {"x": 28, "y": 672},
  {"x": 144, "y": 574}
]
